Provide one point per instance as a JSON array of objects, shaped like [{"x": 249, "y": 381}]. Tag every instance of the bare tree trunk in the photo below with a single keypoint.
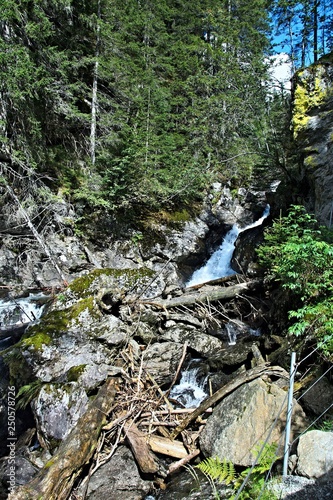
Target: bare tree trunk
[
  {"x": 94, "y": 93},
  {"x": 213, "y": 294},
  {"x": 315, "y": 30}
]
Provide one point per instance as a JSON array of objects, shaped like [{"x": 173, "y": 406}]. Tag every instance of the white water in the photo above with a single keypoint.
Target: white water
[
  {"x": 17, "y": 312},
  {"x": 189, "y": 392},
  {"x": 219, "y": 264}
]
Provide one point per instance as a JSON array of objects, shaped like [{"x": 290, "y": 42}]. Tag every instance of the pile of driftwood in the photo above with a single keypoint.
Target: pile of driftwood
[{"x": 130, "y": 407}]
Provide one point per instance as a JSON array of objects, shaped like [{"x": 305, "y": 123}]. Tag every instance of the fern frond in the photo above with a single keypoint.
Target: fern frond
[{"x": 217, "y": 470}]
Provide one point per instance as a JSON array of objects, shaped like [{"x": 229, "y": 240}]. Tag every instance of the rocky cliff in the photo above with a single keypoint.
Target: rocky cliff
[{"x": 312, "y": 128}]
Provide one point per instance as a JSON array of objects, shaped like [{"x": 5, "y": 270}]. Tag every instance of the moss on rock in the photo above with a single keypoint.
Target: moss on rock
[
  {"x": 90, "y": 284},
  {"x": 75, "y": 372},
  {"x": 310, "y": 92},
  {"x": 36, "y": 341}
]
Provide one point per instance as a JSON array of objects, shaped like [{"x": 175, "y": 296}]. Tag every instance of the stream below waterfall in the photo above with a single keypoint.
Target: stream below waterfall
[
  {"x": 17, "y": 313},
  {"x": 219, "y": 264},
  {"x": 20, "y": 311},
  {"x": 191, "y": 389}
]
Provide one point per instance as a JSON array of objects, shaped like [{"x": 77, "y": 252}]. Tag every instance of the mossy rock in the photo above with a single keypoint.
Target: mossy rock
[
  {"x": 126, "y": 279},
  {"x": 20, "y": 372},
  {"x": 74, "y": 373},
  {"x": 311, "y": 91},
  {"x": 56, "y": 323}
]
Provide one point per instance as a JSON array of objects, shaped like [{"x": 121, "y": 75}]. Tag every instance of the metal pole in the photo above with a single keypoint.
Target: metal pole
[{"x": 289, "y": 413}]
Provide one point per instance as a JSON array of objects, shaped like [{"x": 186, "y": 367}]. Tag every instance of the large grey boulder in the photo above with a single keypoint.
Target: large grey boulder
[
  {"x": 318, "y": 396},
  {"x": 161, "y": 361},
  {"x": 203, "y": 344},
  {"x": 248, "y": 416},
  {"x": 58, "y": 408},
  {"x": 315, "y": 455},
  {"x": 118, "y": 479}
]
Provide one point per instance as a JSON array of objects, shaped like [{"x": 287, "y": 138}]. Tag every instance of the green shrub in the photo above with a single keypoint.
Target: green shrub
[{"x": 298, "y": 254}]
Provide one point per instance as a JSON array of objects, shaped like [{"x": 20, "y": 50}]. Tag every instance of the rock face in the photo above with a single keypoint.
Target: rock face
[
  {"x": 319, "y": 396},
  {"x": 315, "y": 455},
  {"x": 312, "y": 124},
  {"x": 246, "y": 417},
  {"x": 118, "y": 478}
]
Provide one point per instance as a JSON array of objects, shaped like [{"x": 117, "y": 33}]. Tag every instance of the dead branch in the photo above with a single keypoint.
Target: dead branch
[
  {"x": 144, "y": 457},
  {"x": 180, "y": 364},
  {"x": 177, "y": 465},
  {"x": 218, "y": 281}
]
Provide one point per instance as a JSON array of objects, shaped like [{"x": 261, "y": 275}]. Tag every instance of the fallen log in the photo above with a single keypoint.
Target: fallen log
[
  {"x": 209, "y": 295},
  {"x": 144, "y": 457},
  {"x": 241, "y": 379},
  {"x": 218, "y": 281},
  {"x": 56, "y": 479},
  {"x": 167, "y": 446}
]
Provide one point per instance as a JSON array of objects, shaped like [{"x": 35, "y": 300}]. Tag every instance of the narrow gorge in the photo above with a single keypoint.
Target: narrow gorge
[{"x": 166, "y": 245}]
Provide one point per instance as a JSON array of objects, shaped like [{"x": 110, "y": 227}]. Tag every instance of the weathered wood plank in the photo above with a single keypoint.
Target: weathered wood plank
[
  {"x": 146, "y": 460},
  {"x": 167, "y": 446}
]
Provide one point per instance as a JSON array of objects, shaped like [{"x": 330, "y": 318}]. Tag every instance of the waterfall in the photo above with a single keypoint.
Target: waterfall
[
  {"x": 21, "y": 311},
  {"x": 219, "y": 264},
  {"x": 190, "y": 391}
]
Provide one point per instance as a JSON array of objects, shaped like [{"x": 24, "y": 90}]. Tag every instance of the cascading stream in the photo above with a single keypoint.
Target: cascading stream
[
  {"x": 21, "y": 311},
  {"x": 190, "y": 391},
  {"x": 219, "y": 264}
]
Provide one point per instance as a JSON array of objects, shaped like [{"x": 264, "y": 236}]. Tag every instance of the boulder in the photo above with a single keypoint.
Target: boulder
[
  {"x": 58, "y": 408},
  {"x": 118, "y": 478},
  {"x": 161, "y": 361},
  {"x": 24, "y": 471},
  {"x": 319, "y": 396},
  {"x": 315, "y": 455},
  {"x": 245, "y": 418},
  {"x": 232, "y": 356},
  {"x": 203, "y": 344}
]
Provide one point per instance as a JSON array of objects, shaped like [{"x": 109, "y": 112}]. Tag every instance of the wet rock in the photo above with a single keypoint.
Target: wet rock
[
  {"x": 315, "y": 455},
  {"x": 186, "y": 486},
  {"x": 231, "y": 357},
  {"x": 245, "y": 418},
  {"x": 118, "y": 478},
  {"x": 161, "y": 361}
]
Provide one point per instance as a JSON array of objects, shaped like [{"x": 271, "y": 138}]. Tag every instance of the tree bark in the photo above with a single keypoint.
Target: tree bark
[
  {"x": 211, "y": 295},
  {"x": 56, "y": 479},
  {"x": 145, "y": 458}
]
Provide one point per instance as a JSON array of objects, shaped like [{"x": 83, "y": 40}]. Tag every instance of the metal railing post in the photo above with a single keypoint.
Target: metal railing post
[{"x": 289, "y": 413}]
